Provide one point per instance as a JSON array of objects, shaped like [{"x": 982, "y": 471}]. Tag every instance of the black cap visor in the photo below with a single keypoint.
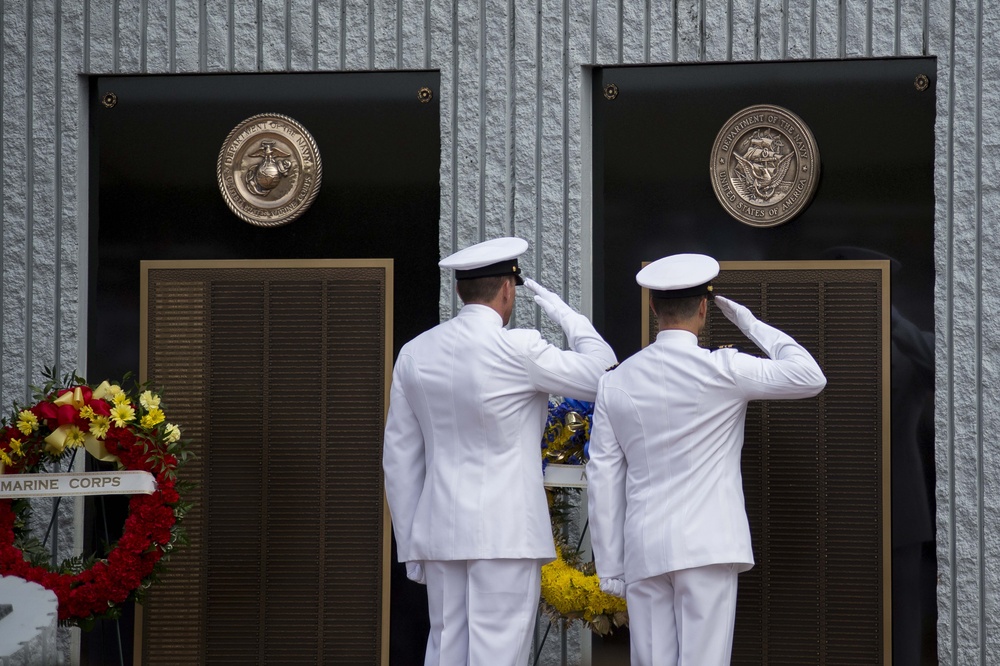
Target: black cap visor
[{"x": 505, "y": 267}]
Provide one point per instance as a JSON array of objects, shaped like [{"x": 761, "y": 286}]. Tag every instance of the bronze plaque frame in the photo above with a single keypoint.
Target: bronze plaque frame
[{"x": 384, "y": 265}]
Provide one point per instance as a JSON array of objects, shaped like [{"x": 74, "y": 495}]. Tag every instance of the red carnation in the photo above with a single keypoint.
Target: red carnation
[
  {"x": 45, "y": 411},
  {"x": 100, "y": 407}
]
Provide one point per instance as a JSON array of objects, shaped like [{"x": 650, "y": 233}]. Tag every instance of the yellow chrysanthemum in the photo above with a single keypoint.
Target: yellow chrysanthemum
[
  {"x": 27, "y": 422},
  {"x": 152, "y": 417},
  {"x": 6, "y": 459},
  {"x": 171, "y": 433},
  {"x": 149, "y": 400},
  {"x": 574, "y": 593},
  {"x": 122, "y": 414},
  {"x": 16, "y": 446},
  {"x": 75, "y": 437},
  {"x": 87, "y": 412},
  {"x": 120, "y": 398},
  {"x": 99, "y": 426}
]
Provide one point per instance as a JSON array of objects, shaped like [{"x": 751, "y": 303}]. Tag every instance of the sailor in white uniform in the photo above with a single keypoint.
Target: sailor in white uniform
[
  {"x": 668, "y": 522},
  {"x": 462, "y": 456}
]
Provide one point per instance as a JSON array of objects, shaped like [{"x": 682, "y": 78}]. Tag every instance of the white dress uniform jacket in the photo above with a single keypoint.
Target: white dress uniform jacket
[
  {"x": 462, "y": 448},
  {"x": 665, "y": 489}
]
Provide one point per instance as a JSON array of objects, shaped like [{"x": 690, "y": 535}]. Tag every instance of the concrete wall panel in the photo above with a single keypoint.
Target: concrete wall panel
[{"x": 515, "y": 135}]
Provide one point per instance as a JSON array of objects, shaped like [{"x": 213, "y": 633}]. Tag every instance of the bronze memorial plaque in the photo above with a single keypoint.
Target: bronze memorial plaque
[
  {"x": 269, "y": 170},
  {"x": 765, "y": 165}
]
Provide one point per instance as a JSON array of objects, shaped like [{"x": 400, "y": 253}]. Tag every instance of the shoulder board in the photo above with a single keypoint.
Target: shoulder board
[
  {"x": 612, "y": 367},
  {"x": 733, "y": 347}
]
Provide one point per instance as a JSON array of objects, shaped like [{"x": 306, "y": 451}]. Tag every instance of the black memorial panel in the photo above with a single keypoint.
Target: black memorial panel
[
  {"x": 154, "y": 195},
  {"x": 873, "y": 122}
]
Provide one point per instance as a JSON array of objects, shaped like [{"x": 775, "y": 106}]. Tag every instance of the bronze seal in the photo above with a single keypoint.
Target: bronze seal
[
  {"x": 765, "y": 165},
  {"x": 269, "y": 170}
]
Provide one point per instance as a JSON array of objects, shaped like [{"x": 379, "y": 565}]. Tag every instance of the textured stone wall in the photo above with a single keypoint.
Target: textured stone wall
[{"x": 514, "y": 122}]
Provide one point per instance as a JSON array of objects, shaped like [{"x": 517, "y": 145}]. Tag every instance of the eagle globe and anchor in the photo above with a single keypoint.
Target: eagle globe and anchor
[{"x": 264, "y": 176}]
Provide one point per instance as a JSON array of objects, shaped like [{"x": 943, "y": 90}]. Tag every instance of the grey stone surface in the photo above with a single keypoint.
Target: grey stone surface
[
  {"x": 158, "y": 42},
  {"x": 273, "y": 36},
  {"x": 798, "y": 32},
  {"x": 328, "y": 31},
  {"x": 187, "y": 36},
  {"x": 129, "y": 30},
  {"x": 414, "y": 35},
  {"x": 386, "y": 26},
  {"x": 856, "y": 43},
  {"x": 216, "y": 36},
  {"x": 688, "y": 33},
  {"x": 827, "y": 40},
  {"x": 745, "y": 31},
  {"x": 357, "y": 36},
  {"x": 605, "y": 36},
  {"x": 14, "y": 195},
  {"x": 101, "y": 45},
  {"x": 514, "y": 160},
  {"x": 912, "y": 21},
  {"x": 634, "y": 20},
  {"x": 244, "y": 37},
  {"x": 715, "y": 24},
  {"x": 883, "y": 15},
  {"x": 661, "y": 33}
]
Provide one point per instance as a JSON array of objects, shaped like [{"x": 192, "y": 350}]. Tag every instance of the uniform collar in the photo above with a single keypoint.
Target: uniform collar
[
  {"x": 677, "y": 335},
  {"x": 481, "y": 312}
]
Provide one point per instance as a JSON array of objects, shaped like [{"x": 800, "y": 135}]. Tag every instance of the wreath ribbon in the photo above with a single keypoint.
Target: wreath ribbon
[{"x": 56, "y": 440}]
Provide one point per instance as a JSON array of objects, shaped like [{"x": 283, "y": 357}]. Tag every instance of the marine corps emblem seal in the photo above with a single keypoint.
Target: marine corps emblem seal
[{"x": 269, "y": 170}]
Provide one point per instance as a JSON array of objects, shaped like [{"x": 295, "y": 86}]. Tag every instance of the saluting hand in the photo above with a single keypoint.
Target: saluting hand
[
  {"x": 736, "y": 313},
  {"x": 549, "y": 302}
]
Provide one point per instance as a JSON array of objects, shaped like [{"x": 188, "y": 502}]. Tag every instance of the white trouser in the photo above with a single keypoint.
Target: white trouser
[
  {"x": 683, "y": 618},
  {"x": 482, "y": 612}
]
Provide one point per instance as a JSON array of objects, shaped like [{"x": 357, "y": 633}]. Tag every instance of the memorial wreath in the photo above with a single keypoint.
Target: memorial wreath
[
  {"x": 571, "y": 589},
  {"x": 113, "y": 425}
]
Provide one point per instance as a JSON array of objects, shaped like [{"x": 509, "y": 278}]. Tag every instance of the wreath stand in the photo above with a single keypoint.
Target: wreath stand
[
  {"x": 560, "y": 476},
  {"x": 56, "y": 501}
]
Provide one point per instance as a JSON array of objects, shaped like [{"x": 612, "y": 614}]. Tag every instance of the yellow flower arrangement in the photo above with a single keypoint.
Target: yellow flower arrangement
[
  {"x": 571, "y": 589},
  {"x": 574, "y": 594}
]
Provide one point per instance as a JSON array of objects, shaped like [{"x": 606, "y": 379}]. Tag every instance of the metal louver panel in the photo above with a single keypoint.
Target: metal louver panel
[
  {"x": 815, "y": 472},
  {"x": 278, "y": 374}
]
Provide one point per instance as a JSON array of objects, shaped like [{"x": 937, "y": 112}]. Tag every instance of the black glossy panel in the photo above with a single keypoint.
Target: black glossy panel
[
  {"x": 653, "y": 195},
  {"x": 875, "y": 131},
  {"x": 153, "y": 195}
]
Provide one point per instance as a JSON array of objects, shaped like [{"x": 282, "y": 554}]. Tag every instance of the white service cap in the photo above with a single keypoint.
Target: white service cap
[
  {"x": 679, "y": 275},
  {"x": 493, "y": 257}
]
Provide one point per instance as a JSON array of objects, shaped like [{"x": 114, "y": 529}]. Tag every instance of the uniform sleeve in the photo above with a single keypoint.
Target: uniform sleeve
[
  {"x": 402, "y": 460},
  {"x": 789, "y": 371},
  {"x": 571, "y": 373},
  {"x": 584, "y": 339},
  {"x": 606, "y": 504}
]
